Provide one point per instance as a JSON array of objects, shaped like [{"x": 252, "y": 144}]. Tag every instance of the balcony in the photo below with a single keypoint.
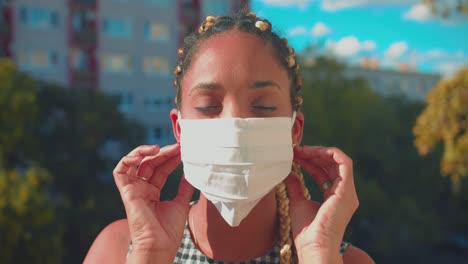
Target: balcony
[{"x": 84, "y": 38}]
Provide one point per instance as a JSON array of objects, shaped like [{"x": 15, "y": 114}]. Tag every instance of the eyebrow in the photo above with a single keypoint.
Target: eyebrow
[
  {"x": 207, "y": 86},
  {"x": 217, "y": 86},
  {"x": 262, "y": 84}
]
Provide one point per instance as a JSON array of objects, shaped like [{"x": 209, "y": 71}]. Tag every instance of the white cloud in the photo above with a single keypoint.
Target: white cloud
[
  {"x": 300, "y": 30},
  {"x": 436, "y": 53},
  {"x": 300, "y": 3},
  {"x": 350, "y": 46},
  {"x": 448, "y": 69},
  {"x": 369, "y": 45},
  {"x": 320, "y": 29},
  {"x": 345, "y": 47},
  {"x": 418, "y": 12},
  {"x": 396, "y": 50},
  {"x": 332, "y": 5}
]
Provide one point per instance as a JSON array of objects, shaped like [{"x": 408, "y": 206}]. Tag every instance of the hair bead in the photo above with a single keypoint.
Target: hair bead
[
  {"x": 262, "y": 25},
  {"x": 290, "y": 60},
  {"x": 211, "y": 18},
  {"x": 177, "y": 70},
  {"x": 180, "y": 52}
]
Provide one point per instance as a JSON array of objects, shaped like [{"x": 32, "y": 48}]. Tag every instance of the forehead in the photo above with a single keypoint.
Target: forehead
[{"x": 235, "y": 56}]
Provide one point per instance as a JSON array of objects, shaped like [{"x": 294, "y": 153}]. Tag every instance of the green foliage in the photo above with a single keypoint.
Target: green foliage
[
  {"x": 18, "y": 108},
  {"x": 27, "y": 218},
  {"x": 77, "y": 137},
  {"x": 28, "y": 226}
]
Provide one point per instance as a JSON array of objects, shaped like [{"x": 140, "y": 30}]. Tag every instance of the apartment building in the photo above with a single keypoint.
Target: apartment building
[
  {"x": 126, "y": 48},
  {"x": 386, "y": 82}
]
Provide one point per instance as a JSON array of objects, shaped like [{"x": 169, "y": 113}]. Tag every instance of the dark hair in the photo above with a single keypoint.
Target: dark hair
[{"x": 249, "y": 23}]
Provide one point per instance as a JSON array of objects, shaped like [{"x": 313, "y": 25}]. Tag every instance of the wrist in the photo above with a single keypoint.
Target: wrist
[
  {"x": 319, "y": 255},
  {"x": 149, "y": 256}
]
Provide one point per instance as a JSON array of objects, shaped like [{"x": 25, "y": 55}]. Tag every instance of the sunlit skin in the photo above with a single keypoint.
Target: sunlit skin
[{"x": 233, "y": 74}]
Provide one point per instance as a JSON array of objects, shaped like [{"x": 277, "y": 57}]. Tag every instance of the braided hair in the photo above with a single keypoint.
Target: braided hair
[{"x": 262, "y": 28}]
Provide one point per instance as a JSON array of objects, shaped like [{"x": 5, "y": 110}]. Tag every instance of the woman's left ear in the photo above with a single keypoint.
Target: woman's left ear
[{"x": 298, "y": 128}]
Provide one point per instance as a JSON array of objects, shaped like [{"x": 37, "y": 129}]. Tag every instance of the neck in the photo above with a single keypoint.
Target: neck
[{"x": 255, "y": 235}]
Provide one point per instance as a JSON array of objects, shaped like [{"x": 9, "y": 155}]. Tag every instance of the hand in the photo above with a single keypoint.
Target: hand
[
  {"x": 156, "y": 228},
  {"x": 318, "y": 229}
]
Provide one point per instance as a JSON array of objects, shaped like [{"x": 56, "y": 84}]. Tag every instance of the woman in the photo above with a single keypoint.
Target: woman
[{"x": 238, "y": 117}]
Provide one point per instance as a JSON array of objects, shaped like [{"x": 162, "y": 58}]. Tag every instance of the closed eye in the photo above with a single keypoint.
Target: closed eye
[
  {"x": 210, "y": 108},
  {"x": 265, "y": 108}
]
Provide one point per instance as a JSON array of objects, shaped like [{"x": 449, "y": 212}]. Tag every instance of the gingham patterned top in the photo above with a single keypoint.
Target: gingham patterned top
[{"x": 188, "y": 253}]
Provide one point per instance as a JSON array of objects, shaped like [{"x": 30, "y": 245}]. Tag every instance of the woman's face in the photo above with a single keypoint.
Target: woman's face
[{"x": 235, "y": 74}]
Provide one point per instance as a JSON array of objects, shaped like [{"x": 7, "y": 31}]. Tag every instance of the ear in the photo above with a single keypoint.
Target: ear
[
  {"x": 175, "y": 124},
  {"x": 298, "y": 128}
]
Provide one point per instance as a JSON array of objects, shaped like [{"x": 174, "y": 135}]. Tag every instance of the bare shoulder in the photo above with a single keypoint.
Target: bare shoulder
[
  {"x": 111, "y": 245},
  {"x": 356, "y": 255}
]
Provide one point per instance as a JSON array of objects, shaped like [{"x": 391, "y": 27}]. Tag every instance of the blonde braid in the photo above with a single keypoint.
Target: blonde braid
[
  {"x": 282, "y": 201},
  {"x": 298, "y": 171},
  {"x": 288, "y": 253}
]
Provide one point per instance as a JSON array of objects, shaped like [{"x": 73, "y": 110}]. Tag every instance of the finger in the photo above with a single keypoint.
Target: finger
[
  {"x": 184, "y": 195},
  {"x": 345, "y": 163},
  {"x": 318, "y": 154},
  {"x": 161, "y": 173},
  {"x": 144, "y": 150},
  {"x": 294, "y": 187},
  {"x": 149, "y": 164},
  {"x": 318, "y": 173},
  {"x": 121, "y": 170}
]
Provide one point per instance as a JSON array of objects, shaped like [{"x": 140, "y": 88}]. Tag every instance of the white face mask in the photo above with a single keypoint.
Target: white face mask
[{"x": 235, "y": 162}]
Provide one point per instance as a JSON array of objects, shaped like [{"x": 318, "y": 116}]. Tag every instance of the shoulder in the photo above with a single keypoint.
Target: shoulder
[
  {"x": 111, "y": 245},
  {"x": 356, "y": 255}
]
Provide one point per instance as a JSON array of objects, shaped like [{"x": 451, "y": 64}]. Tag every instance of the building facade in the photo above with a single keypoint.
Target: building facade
[
  {"x": 126, "y": 48},
  {"x": 414, "y": 85}
]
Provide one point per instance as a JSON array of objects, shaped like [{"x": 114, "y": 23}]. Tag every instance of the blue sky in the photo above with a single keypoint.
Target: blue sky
[{"x": 392, "y": 32}]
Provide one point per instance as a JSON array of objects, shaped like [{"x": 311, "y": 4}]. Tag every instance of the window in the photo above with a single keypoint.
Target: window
[
  {"x": 156, "y": 31},
  {"x": 116, "y": 63},
  {"x": 38, "y": 17},
  {"x": 124, "y": 101},
  {"x": 82, "y": 20},
  {"x": 155, "y": 102},
  {"x": 117, "y": 28},
  {"x": 158, "y": 134},
  {"x": 158, "y": 3},
  {"x": 37, "y": 59},
  {"x": 155, "y": 65},
  {"x": 79, "y": 59}
]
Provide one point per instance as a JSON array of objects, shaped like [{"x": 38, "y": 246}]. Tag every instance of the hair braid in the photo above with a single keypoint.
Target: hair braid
[{"x": 286, "y": 240}]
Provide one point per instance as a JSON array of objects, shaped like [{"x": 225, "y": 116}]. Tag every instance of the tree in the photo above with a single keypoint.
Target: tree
[
  {"x": 445, "y": 119},
  {"x": 58, "y": 148},
  {"x": 447, "y": 9},
  {"x": 28, "y": 225},
  {"x": 79, "y": 137}
]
